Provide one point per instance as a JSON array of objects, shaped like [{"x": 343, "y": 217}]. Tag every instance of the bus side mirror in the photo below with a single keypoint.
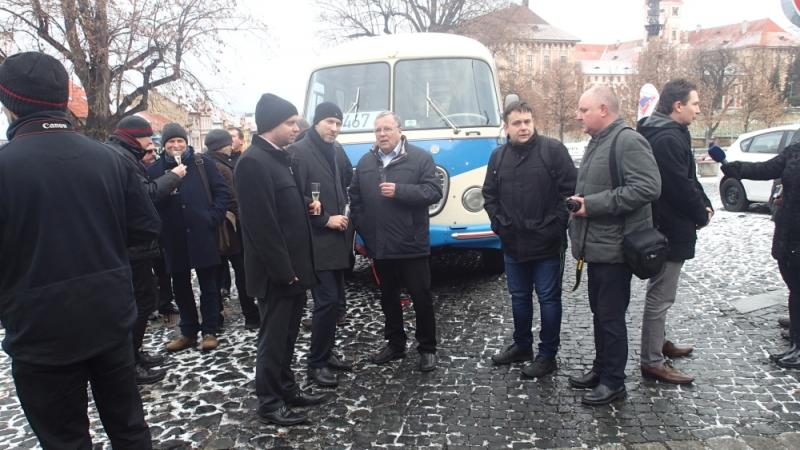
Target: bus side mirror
[{"x": 510, "y": 98}]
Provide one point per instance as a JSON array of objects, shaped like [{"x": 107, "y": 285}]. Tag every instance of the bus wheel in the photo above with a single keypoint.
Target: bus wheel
[{"x": 492, "y": 261}]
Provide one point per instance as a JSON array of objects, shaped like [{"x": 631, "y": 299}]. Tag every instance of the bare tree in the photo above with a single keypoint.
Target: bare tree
[
  {"x": 122, "y": 50},
  {"x": 658, "y": 63},
  {"x": 759, "y": 98},
  {"x": 715, "y": 72},
  {"x": 358, "y": 18},
  {"x": 559, "y": 88}
]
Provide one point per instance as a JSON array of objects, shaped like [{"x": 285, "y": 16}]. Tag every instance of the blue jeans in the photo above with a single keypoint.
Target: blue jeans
[{"x": 543, "y": 275}]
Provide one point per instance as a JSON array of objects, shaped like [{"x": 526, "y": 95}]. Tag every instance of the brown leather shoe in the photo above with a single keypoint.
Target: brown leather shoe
[
  {"x": 209, "y": 342},
  {"x": 675, "y": 351},
  {"x": 181, "y": 343},
  {"x": 666, "y": 373}
]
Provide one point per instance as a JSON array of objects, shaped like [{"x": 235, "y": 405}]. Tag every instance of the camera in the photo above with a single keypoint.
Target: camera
[{"x": 572, "y": 205}]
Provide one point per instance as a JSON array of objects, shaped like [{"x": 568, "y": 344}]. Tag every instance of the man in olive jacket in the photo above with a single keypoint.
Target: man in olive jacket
[
  {"x": 320, "y": 159},
  {"x": 278, "y": 256},
  {"x": 527, "y": 181},
  {"x": 605, "y": 216},
  {"x": 393, "y": 186}
]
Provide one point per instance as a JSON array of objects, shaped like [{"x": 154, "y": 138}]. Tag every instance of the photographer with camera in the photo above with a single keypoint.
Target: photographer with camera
[{"x": 526, "y": 182}]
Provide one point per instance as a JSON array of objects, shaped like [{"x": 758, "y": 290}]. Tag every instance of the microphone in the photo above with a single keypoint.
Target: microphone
[{"x": 717, "y": 154}]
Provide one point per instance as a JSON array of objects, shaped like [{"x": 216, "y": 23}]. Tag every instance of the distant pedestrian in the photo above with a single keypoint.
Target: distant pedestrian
[
  {"x": 69, "y": 209},
  {"x": 681, "y": 210},
  {"x": 527, "y": 181},
  {"x": 606, "y": 215},
  {"x": 278, "y": 256},
  {"x": 394, "y": 184}
]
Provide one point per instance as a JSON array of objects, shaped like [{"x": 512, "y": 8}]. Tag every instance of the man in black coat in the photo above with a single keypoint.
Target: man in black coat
[
  {"x": 392, "y": 188},
  {"x": 319, "y": 159},
  {"x": 681, "y": 210},
  {"x": 191, "y": 216},
  {"x": 69, "y": 209},
  {"x": 278, "y": 256},
  {"x": 527, "y": 181},
  {"x": 132, "y": 141}
]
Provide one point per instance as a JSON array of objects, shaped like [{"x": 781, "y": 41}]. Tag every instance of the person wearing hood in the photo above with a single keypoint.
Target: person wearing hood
[
  {"x": 320, "y": 159},
  {"x": 190, "y": 216},
  {"x": 132, "y": 140},
  {"x": 682, "y": 209},
  {"x": 527, "y": 181},
  {"x": 69, "y": 209},
  {"x": 394, "y": 184},
  {"x": 219, "y": 145}
]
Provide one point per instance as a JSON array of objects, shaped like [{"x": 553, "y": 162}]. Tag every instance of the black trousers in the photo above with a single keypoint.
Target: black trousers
[
  {"x": 144, "y": 290},
  {"x": 415, "y": 275},
  {"x": 55, "y": 400},
  {"x": 209, "y": 301},
  {"x": 165, "y": 295},
  {"x": 280, "y": 324},
  {"x": 328, "y": 298},
  {"x": 790, "y": 271},
  {"x": 247, "y": 303},
  {"x": 609, "y": 295}
]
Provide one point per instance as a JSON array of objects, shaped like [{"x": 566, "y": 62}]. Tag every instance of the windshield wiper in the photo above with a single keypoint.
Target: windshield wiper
[
  {"x": 433, "y": 105},
  {"x": 354, "y": 106}
]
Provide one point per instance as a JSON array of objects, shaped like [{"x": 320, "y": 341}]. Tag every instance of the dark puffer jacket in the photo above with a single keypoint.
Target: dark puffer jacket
[
  {"x": 786, "y": 166},
  {"x": 681, "y": 209}
]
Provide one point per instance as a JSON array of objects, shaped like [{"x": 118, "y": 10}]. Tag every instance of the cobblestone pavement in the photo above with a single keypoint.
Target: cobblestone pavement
[{"x": 739, "y": 400}]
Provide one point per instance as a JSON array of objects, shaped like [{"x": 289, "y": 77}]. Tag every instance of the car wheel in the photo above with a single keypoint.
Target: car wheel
[
  {"x": 733, "y": 195},
  {"x": 492, "y": 261}
]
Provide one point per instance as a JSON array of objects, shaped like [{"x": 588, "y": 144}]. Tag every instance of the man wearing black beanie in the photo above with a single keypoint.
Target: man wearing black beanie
[
  {"x": 70, "y": 209},
  {"x": 320, "y": 159},
  {"x": 279, "y": 259},
  {"x": 132, "y": 140}
]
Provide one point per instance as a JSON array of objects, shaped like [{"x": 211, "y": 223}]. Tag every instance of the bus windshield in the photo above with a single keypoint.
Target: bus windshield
[
  {"x": 361, "y": 90},
  {"x": 441, "y": 93}
]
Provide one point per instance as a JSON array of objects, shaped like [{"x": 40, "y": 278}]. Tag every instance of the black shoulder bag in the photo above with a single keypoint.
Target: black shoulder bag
[{"x": 645, "y": 250}]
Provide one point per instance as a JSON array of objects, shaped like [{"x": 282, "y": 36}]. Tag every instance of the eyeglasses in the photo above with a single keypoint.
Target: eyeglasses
[
  {"x": 384, "y": 130},
  {"x": 150, "y": 151}
]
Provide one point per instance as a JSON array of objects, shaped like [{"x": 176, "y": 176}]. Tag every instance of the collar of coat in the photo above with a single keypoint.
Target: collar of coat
[
  {"x": 401, "y": 154},
  {"x": 41, "y": 122},
  {"x": 263, "y": 144},
  {"x": 221, "y": 158}
]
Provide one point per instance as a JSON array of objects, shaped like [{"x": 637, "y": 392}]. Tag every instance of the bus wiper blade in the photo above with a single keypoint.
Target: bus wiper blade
[
  {"x": 354, "y": 107},
  {"x": 450, "y": 123}
]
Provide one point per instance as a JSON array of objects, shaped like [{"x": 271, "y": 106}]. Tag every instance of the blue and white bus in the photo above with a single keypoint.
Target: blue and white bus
[{"x": 444, "y": 89}]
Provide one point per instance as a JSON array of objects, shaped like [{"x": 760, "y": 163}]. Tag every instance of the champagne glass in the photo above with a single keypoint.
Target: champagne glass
[
  {"x": 315, "y": 194},
  {"x": 178, "y": 159}
]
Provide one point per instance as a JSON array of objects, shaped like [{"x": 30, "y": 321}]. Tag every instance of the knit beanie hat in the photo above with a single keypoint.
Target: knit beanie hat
[
  {"x": 217, "y": 139},
  {"x": 325, "y": 110},
  {"x": 31, "y": 82},
  {"x": 132, "y": 127},
  {"x": 271, "y": 111},
  {"x": 172, "y": 130}
]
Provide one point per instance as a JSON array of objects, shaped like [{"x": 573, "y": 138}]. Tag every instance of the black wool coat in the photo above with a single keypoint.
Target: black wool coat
[
  {"x": 332, "y": 248},
  {"x": 395, "y": 228},
  {"x": 69, "y": 208},
  {"x": 189, "y": 233},
  {"x": 225, "y": 166},
  {"x": 681, "y": 209},
  {"x": 276, "y": 231},
  {"x": 524, "y": 192}
]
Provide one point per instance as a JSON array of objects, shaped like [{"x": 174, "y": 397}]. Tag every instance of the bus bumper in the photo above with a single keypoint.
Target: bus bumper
[{"x": 472, "y": 236}]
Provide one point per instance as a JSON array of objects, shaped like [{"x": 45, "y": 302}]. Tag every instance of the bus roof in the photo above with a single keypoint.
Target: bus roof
[{"x": 403, "y": 46}]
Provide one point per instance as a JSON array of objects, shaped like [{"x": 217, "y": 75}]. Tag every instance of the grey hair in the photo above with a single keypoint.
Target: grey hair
[
  {"x": 388, "y": 114},
  {"x": 607, "y": 97}
]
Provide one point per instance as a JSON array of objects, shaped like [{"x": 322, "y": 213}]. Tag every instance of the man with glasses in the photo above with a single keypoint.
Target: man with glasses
[
  {"x": 132, "y": 140},
  {"x": 392, "y": 188}
]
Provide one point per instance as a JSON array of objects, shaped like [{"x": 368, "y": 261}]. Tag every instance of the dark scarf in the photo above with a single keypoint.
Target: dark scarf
[
  {"x": 327, "y": 149},
  {"x": 128, "y": 143},
  {"x": 521, "y": 149}
]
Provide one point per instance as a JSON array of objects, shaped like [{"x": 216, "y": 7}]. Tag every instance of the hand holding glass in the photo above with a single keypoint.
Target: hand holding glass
[{"x": 315, "y": 197}]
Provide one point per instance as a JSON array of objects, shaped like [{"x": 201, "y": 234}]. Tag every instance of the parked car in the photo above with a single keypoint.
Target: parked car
[{"x": 755, "y": 146}]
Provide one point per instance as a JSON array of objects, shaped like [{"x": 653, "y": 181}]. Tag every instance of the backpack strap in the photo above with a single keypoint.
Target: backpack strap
[
  {"x": 201, "y": 169},
  {"x": 612, "y": 159}
]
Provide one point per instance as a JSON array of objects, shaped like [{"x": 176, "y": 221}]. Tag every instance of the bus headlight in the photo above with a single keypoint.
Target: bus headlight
[{"x": 472, "y": 199}]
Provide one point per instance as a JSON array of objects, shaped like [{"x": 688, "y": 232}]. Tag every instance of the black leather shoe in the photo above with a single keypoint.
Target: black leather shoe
[
  {"x": 603, "y": 395},
  {"x": 784, "y": 321},
  {"x": 148, "y": 376},
  {"x": 322, "y": 376},
  {"x": 282, "y": 416},
  {"x": 512, "y": 354},
  {"x": 148, "y": 360},
  {"x": 777, "y": 356},
  {"x": 540, "y": 367},
  {"x": 427, "y": 361},
  {"x": 589, "y": 380},
  {"x": 336, "y": 363},
  {"x": 302, "y": 398},
  {"x": 387, "y": 354},
  {"x": 790, "y": 361}
]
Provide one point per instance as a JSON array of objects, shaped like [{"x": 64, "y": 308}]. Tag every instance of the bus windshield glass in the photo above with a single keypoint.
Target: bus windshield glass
[
  {"x": 361, "y": 90},
  {"x": 445, "y": 93}
]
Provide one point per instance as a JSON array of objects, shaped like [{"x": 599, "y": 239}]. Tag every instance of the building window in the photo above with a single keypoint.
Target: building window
[
  {"x": 674, "y": 35},
  {"x": 546, "y": 63},
  {"x": 563, "y": 59},
  {"x": 530, "y": 62},
  {"x": 675, "y": 11}
]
